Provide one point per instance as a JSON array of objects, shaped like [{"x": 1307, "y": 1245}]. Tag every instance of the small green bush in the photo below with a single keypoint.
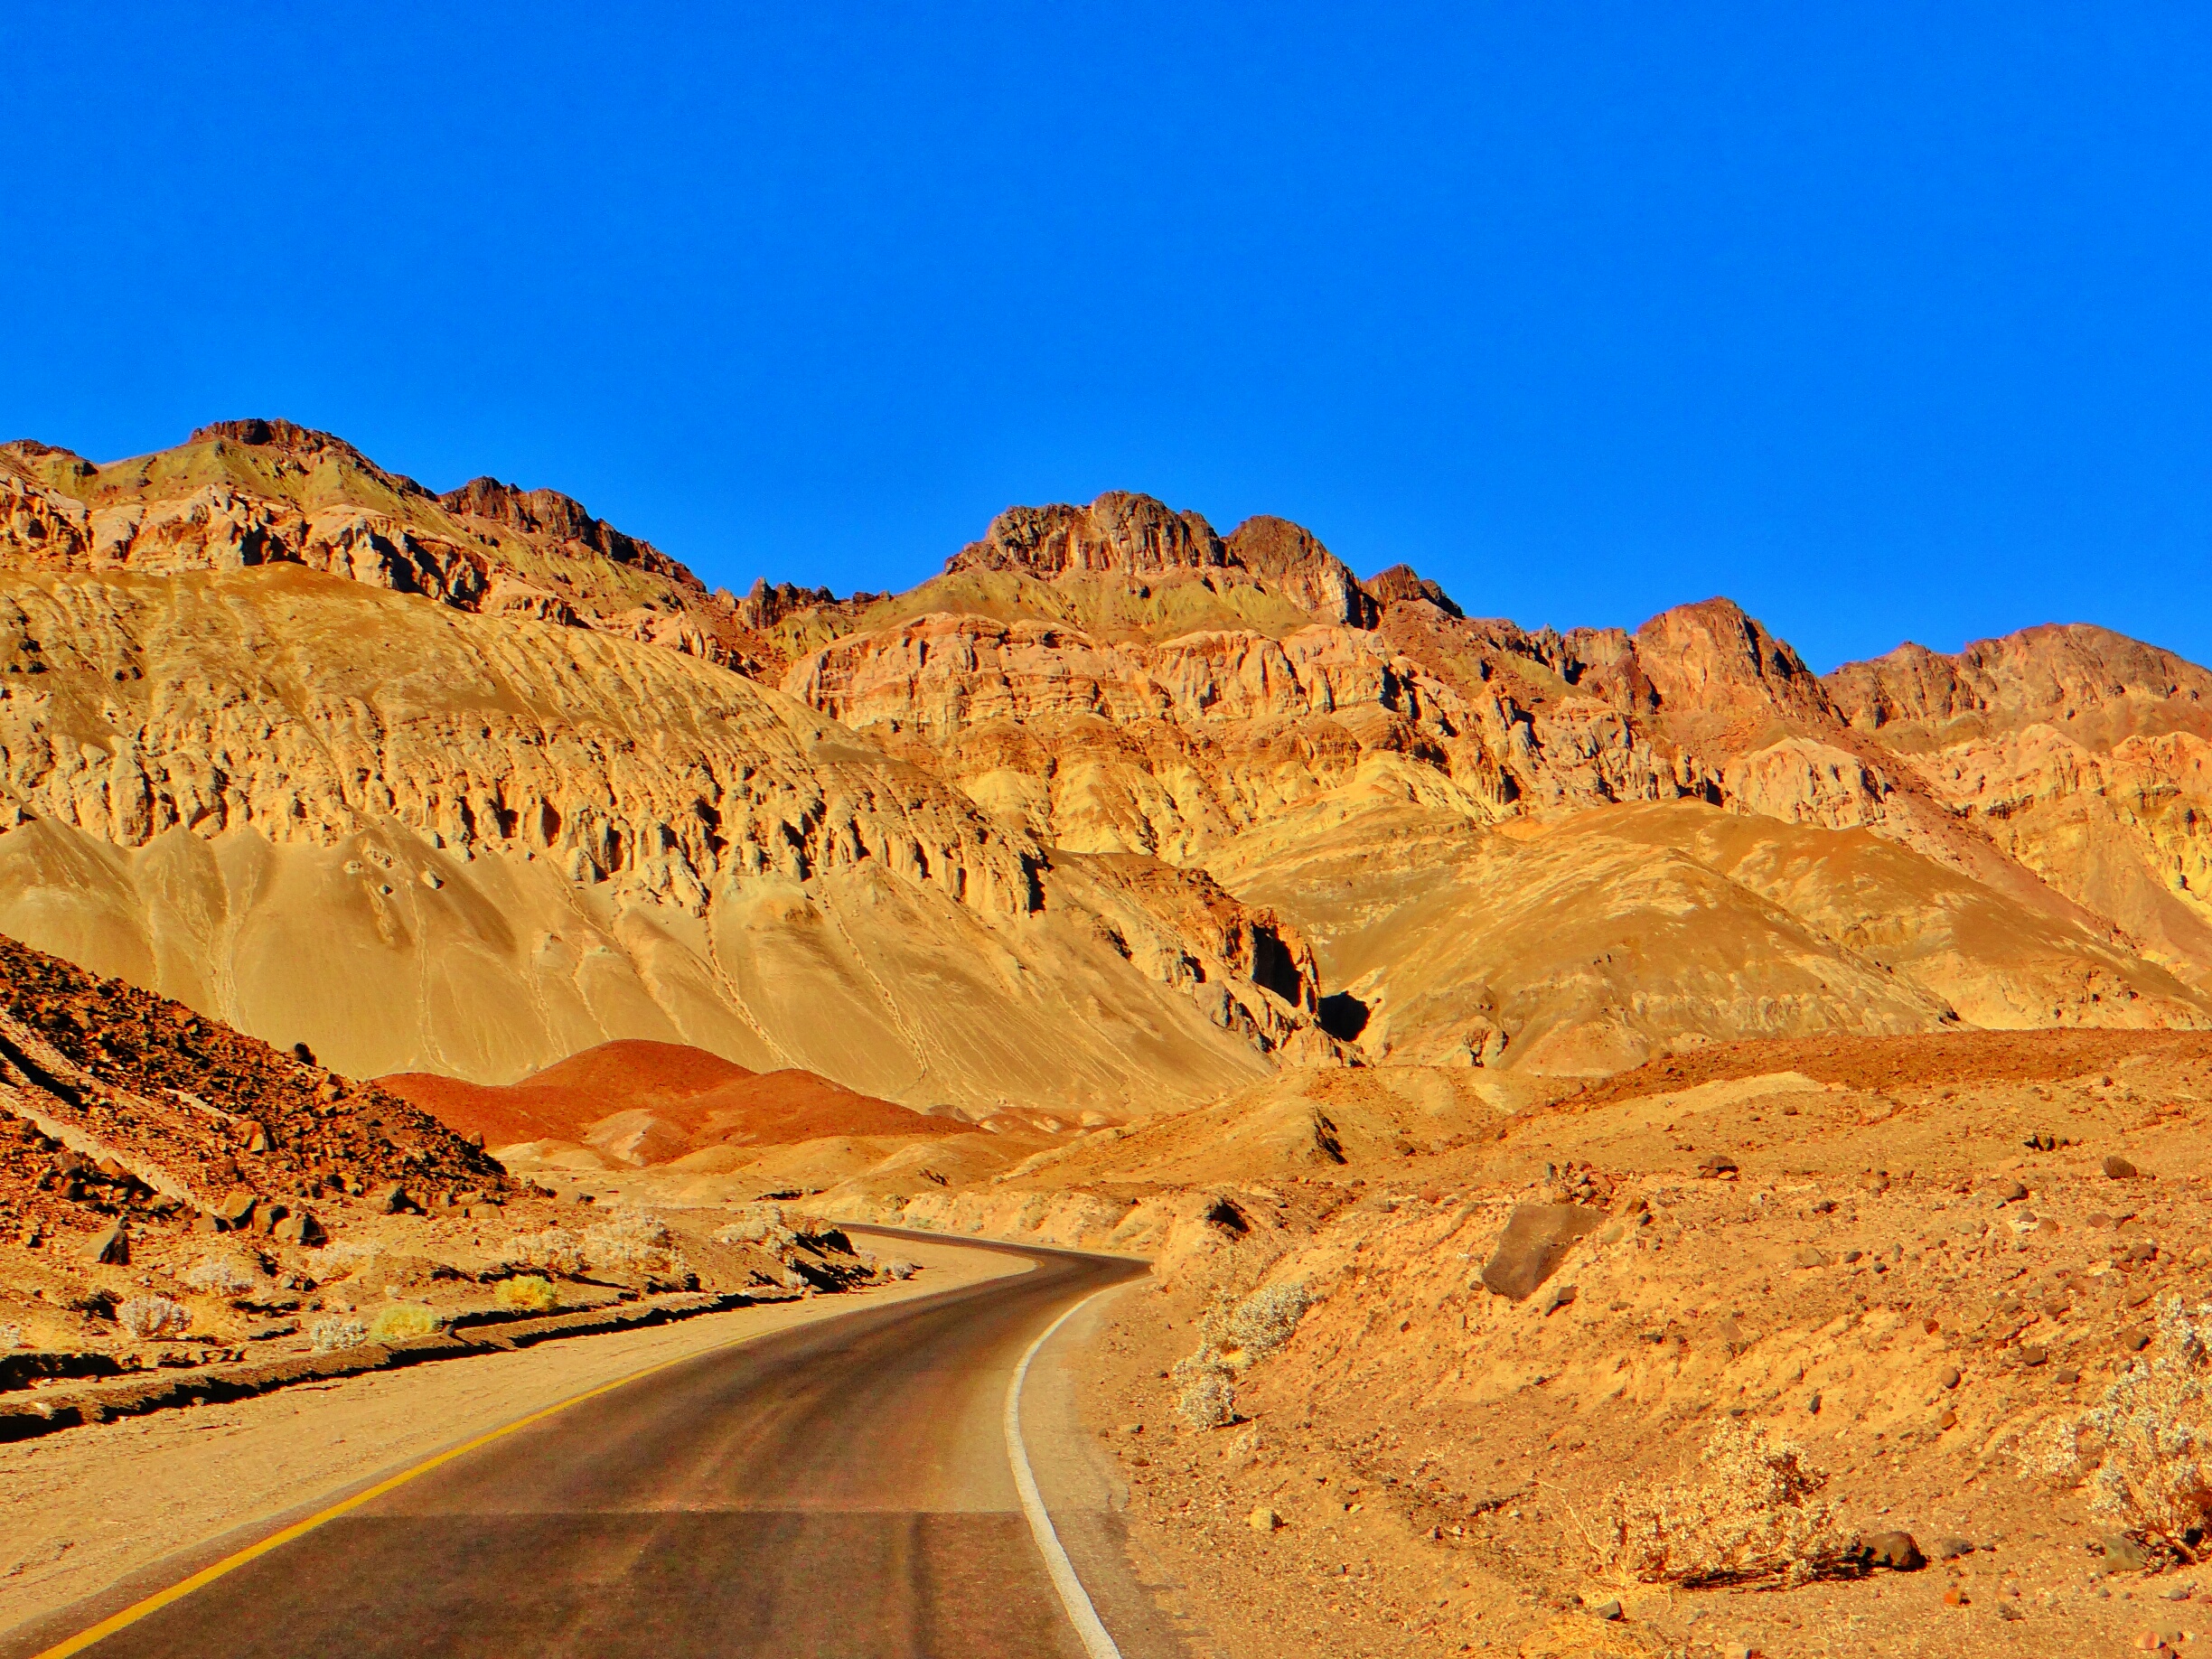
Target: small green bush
[
  {"x": 528, "y": 1291},
  {"x": 402, "y": 1320}
]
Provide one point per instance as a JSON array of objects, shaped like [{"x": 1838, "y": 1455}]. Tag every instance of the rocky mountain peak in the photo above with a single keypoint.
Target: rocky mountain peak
[
  {"x": 1401, "y": 583},
  {"x": 561, "y": 519},
  {"x": 1714, "y": 658},
  {"x": 1121, "y": 532}
]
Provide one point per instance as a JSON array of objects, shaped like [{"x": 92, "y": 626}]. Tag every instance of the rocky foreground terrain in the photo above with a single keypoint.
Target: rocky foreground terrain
[
  {"x": 1835, "y": 1346},
  {"x": 190, "y": 1212}
]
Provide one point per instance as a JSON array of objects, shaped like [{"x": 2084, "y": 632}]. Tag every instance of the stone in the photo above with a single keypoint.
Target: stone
[
  {"x": 2034, "y": 1354},
  {"x": 2119, "y": 1169},
  {"x": 389, "y": 1198},
  {"x": 1263, "y": 1519},
  {"x": 1808, "y": 1256},
  {"x": 2011, "y": 1191},
  {"x": 1898, "y": 1551},
  {"x": 1555, "y": 1298},
  {"x": 1536, "y": 1241},
  {"x": 1609, "y": 1609},
  {"x": 111, "y": 1246},
  {"x": 2065, "y": 1376},
  {"x": 300, "y": 1227},
  {"x": 2123, "y": 1554},
  {"x": 1949, "y": 1377},
  {"x": 1951, "y": 1548},
  {"x": 237, "y": 1204},
  {"x": 1717, "y": 1165}
]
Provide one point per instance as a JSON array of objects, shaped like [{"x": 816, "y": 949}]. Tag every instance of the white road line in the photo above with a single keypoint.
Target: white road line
[{"x": 1072, "y": 1596}]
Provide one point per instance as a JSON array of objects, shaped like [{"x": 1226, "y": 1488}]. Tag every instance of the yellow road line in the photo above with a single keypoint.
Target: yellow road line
[{"x": 276, "y": 1541}]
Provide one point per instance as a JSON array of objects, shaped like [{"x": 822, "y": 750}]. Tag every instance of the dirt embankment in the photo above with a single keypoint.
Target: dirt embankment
[{"x": 1897, "y": 1268}]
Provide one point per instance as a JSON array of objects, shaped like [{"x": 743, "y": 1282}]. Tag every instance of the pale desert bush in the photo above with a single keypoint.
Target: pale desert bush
[
  {"x": 1756, "y": 1514},
  {"x": 149, "y": 1317},
  {"x": 339, "y": 1331},
  {"x": 555, "y": 1251},
  {"x": 759, "y": 1223},
  {"x": 1260, "y": 1324},
  {"x": 2147, "y": 1440},
  {"x": 218, "y": 1276},
  {"x": 402, "y": 1320},
  {"x": 533, "y": 1293},
  {"x": 1209, "y": 1401},
  {"x": 899, "y": 1267},
  {"x": 632, "y": 1241}
]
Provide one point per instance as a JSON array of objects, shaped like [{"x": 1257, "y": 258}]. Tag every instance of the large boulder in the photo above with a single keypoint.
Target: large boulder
[{"x": 1536, "y": 1240}]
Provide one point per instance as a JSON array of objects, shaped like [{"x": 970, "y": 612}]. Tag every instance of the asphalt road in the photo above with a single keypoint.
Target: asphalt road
[{"x": 841, "y": 1489}]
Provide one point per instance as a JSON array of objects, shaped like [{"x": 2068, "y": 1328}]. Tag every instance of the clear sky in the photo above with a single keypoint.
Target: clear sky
[{"x": 1890, "y": 322}]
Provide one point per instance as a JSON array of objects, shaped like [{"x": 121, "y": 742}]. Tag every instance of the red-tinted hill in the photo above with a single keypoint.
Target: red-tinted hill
[
  {"x": 707, "y": 1100},
  {"x": 561, "y": 1101}
]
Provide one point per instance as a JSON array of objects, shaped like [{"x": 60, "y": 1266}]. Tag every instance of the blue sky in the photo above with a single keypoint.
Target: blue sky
[{"x": 1889, "y": 321}]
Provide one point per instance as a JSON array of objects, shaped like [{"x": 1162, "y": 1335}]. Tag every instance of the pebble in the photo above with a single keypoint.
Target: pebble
[
  {"x": 1950, "y": 1378},
  {"x": 1263, "y": 1519},
  {"x": 2119, "y": 1169},
  {"x": 1952, "y": 1548},
  {"x": 2012, "y": 1192},
  {"x": 1608, "y": 1610}
]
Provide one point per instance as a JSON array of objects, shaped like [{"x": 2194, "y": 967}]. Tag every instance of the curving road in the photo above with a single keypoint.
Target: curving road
[{"x": 842, "y": 1490}]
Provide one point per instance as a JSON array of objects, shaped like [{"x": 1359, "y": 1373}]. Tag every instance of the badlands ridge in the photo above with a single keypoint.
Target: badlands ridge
[{"x": 1114, "y": 814}]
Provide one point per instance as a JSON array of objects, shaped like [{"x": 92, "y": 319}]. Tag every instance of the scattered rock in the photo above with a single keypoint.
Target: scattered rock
[
  {"x": 1536, "y": 1240},
  {"x": 1717, "y": 1165},
  {"x": 1610, "y": 1608},
  {"x": 1808, "y": 1256},
  {"x": 299, "y": 1228},
  {"x": 2011, "y": 1191},
  {"x": 2123, "y": 1554},
  {"x": 2119, "y": 1169},
  {"x": 1898, "y": 1551},
  {"x": 237, "y": 1204},
  {"x": 1555, "y": 1298},
  {"x": 111, "y": 1246},
  {"x": 1263, "y": 1519},
  {"x": 1953, "y": 1549},
  {"x": 1950, "y": 1377}
]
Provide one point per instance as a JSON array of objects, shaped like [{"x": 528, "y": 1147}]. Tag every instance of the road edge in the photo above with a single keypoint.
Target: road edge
[{"x": 1098, "y": 1643}]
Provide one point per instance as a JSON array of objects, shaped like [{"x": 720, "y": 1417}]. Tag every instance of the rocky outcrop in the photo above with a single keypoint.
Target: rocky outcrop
[{"x": 243, "y": 494}]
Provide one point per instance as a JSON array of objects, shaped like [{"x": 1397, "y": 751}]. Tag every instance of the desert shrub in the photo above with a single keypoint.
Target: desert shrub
[
  {"x": 533, "y": 1293},
  {"x": 218, "y": 1276},
  {"x": 1757, "y": 1513},
  {"x": 2148, "y": 1439},
  {"x": 339, "y": 1331},
  {"x": 149, "y": 1317},
  {"x": 632, "y": 1241},
  {"x": 900, "y": 1268},
  {"x": 1209, "y": 1401},
  {"x": 402, "y": 1320},
  {"x": 1262, "y": 1322},
  {"x": 349, "y": 1253},
  {"x": 555, "y": 1251},
  {"x": 759, "y": 1223}
]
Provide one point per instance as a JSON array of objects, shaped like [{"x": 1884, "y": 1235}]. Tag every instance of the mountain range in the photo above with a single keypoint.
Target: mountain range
[{"x": 1115, "y": 813}]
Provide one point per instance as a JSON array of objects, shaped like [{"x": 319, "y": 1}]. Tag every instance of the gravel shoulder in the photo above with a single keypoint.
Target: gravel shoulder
[{"x": 86, "y": 1513}]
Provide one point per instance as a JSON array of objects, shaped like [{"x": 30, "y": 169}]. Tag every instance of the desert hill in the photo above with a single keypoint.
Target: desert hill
[
  {"x": 1093, "y": 819},
  {"x": 426, "y": 836},
  {"x": 641, "y": 1103}
]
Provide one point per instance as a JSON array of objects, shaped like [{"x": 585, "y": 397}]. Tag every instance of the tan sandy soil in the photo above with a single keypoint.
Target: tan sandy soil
[{"x": 80, "y": 1509}]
